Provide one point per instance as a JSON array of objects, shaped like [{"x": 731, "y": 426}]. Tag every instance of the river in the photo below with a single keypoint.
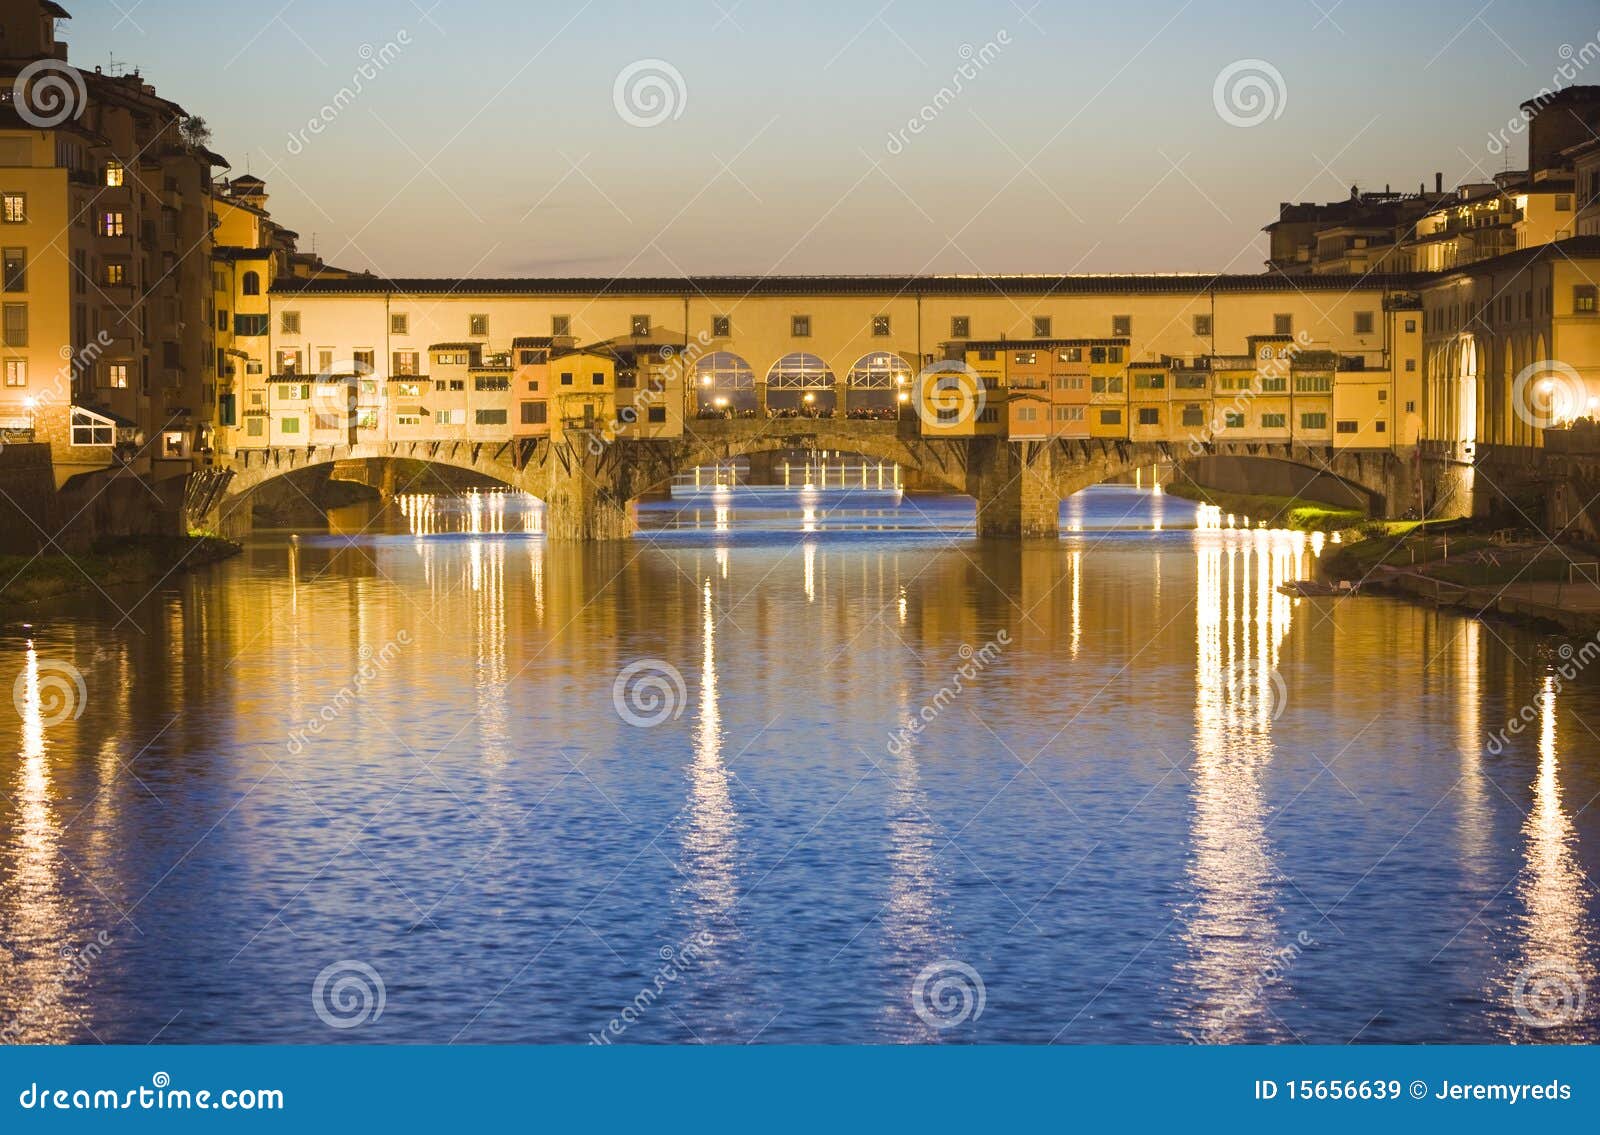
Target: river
[{"x": 791, "y": 767}]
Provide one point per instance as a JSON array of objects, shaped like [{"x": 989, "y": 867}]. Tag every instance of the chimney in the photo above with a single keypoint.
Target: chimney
[{"x": 1438, "y": 182}]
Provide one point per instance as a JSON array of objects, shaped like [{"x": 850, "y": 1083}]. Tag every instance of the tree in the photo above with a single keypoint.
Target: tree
[{"x": 195, "y": 133}]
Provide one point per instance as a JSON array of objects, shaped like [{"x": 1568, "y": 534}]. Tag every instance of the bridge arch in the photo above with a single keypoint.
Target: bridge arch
[
  {"x": 723, "y": 380},
  {"x": 800, "y": 383},
  {"x": 877, "y": 381}
]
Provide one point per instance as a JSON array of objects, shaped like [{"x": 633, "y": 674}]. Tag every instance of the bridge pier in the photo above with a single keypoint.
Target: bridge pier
[{"x": 1013, "y": 483}]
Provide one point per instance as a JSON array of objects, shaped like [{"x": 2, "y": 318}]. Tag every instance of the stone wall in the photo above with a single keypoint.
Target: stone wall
[{"x": 27, "y": 498}]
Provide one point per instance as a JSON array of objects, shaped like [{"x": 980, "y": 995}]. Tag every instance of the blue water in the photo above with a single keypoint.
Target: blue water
[{"x": 1165, "y": 803}]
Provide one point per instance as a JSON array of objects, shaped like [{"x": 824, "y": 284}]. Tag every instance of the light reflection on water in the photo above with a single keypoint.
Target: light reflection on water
[{"x": 1180, "y": 805}]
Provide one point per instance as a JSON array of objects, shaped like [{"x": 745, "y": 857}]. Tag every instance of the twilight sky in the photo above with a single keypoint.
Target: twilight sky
[{"x": 519, "y": 137}]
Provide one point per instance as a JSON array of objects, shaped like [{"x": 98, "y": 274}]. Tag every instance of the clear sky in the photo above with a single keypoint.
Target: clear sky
[{"x": 493, "y": 139}]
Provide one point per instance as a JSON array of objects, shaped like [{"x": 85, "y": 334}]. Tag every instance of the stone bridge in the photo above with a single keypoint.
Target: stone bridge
[{"x": 587, "y": 483}]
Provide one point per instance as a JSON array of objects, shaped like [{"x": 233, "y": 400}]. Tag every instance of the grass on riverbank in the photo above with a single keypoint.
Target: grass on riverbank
[
  {"x": 1279, "y": 512},
  {"x": 26, "y": 580}
]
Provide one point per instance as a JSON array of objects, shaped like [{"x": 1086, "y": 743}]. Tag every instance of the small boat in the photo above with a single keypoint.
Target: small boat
[{"x": 1311, "y": 588}]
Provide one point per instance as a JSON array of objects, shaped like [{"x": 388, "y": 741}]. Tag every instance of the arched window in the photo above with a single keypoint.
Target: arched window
[{"x": 252, "y": 284}]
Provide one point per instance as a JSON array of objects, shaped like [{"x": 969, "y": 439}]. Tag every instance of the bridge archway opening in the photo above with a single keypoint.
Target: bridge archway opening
[
  {"x": 801, "y": 385},
  {"x": 879, "y": 383},
  {"x": 725, "y": 384},
  {"x": 795, "y": 470}
]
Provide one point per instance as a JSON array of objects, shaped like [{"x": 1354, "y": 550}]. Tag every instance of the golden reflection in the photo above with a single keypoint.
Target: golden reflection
[
  {"x": 1556, "y": 937},
  {"x": 811, "y": 572},
  {"x": 1231, "y": 932},
  {"x": 1475, "y": 818},
  {"x": 40, "y": 1002},
  {"x": 709, "y": 845}
]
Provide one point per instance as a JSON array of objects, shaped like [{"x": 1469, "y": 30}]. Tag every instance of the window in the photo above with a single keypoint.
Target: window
[
  {"x": 405, "y": 362},
  {"x": 112, "y": 274},
  {"x": 960, "y": 327},
  {"x": 1232, "y": 420},
  {"x": 407, "y": 419},
  {"x": 1110, "y": 417},
  {"x": 288, "y": 362},
  {"x": 1121, "y": 326},
  {"x": 16, "y": 372},
  {"x": 477, "y": 325},
  {"x": 249, "y": 325},
  {"x": 1027, "y": 414},
  {"x": 1069, "y": 413},
  {"x": 1273, "y": 421},
  {"x": 1345, "y": 426},
  {"x": 1202, "y": 325},
  {"x": 91, "y": 429},
  {"x": 366, "y": 361},
  {"x": 409, "y": 389},
  {"x": 561, "y": 326},
  {"x": 289, "y": 323},
  {"x": 535, "y": 413},
  {"x": 289, "y": 425},
  {"x": 1113, "y": 354},
  {"x": 1274, "y": 384},
  {"x": 721, "y": 326},
  {"x": 1313, "y": 421},
  {"x": 491, "y": 382},
  {"x": 800, "y": 326},
  {"x": 656, "y": 414},
  {"x": 251, "y": 284},
  {"x": 1070, "y": 355},
  {"x": 326, "y": 421},
  {"x": 294, "y": 391},
  {"x": 1381, "y": 426},
  {"x": 1583, "y": 299},
  {"x": 1364, "y": 323},
  {"x": 1149, "y": 380},
  {"x": 566, "y": 378},
  {"x": 1411, "y": 326},
  {"x": 1563, "y": 203},
  {"x": 16, "y": 269},
  {"x": 598, "y": 378},
  {"x": 1283, "y": 324},
  {"x": 1383, "y": 396},
  {"x": 1025, "y": 358},
  {"x": 113, "y": 174},
  {"x": 117, "y": 376},
  {"x": 16, "y": 325},
  {"x": 1106, "y": 386},
  {"x": 1041, "y": 327},
  {"x": 14, "y": 209},
  {"x": 1194, "y": 416},
  {"x": 986, "y": 356},
  {"x": 1149, "y": 416},
  {"x": 640, "y": 325},
  {"x": 1411, "y": 407},
  {"x": 111, "y": 224},
  {"x": 880, "y": 326},
  {"x": 252, "y": 427},
  {"x": 1313, "y": 384},
  {"x": 399, "y": 323}
]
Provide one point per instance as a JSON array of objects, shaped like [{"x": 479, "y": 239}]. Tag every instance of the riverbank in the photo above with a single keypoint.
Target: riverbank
[
  {"x": 1294, "y": 513},
  {"x": 1517, "y": 576},
  {"x": 28, "y": 581}
]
